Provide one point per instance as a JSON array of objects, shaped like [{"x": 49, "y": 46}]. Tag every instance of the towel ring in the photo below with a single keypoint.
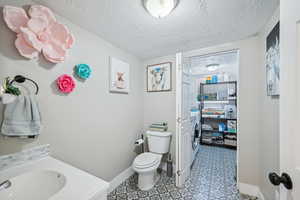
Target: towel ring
[{"x": 22, "y": 79}]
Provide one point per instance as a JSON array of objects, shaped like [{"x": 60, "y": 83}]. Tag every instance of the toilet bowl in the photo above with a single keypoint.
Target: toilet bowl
[{"x": 146, "y": 164}]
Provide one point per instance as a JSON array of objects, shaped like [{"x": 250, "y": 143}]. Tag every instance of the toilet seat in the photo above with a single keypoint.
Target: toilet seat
[{"x": 146, "y": 160}]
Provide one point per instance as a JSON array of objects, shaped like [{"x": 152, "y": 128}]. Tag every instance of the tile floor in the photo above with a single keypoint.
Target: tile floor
[{"x": 212, "y": 178}]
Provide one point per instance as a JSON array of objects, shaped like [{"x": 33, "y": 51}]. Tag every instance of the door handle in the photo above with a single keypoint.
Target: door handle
[{"x": 285, "y": 179}]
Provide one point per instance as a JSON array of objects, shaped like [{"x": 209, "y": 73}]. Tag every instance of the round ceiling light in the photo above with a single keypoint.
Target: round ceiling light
[
  {"x": 212, "y": 67},
  {"x": 160, "y": 8}
]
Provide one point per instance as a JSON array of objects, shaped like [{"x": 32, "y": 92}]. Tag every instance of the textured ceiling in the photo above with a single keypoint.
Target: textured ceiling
[{"x": 193, "y": 24}]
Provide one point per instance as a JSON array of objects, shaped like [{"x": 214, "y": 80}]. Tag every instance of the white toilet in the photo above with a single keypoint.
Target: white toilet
[{"x": 147, "y": 163}]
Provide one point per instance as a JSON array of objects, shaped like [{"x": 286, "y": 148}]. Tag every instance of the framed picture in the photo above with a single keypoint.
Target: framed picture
[
  {"x": 119, "y": 76},
  {"x": 272, "y": 61},
  {"x": 159, "y": 77}
]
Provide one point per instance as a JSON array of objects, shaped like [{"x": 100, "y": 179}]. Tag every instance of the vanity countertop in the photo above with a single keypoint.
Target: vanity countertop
[{"x": 80, "y": 185}]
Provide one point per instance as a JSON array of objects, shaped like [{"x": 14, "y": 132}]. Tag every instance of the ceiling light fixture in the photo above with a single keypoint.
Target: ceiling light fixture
[
  {"x": 212, "y": 67},
  {"x": 160, "y": 8}
]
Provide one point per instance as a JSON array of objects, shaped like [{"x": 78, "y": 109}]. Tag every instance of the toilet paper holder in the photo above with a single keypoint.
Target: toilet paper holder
[{"x": 139, "y": 142}]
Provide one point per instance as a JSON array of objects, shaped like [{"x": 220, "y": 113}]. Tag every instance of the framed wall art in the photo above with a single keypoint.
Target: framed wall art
[
  {"x": 272, "y": 61},
  {"x": 119, "y": 76},
  {"x": 159, "y": 77}
]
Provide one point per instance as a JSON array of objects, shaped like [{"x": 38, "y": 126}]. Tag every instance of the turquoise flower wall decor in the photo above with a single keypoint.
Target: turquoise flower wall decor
[{"x": 83, "y": 71}]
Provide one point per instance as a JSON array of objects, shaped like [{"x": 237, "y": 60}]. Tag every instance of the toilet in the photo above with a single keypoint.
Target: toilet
[{"x": 146, "y": 164}]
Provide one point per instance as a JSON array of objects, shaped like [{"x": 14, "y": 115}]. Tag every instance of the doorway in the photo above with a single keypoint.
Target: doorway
[{"x": 209, "y": 93}]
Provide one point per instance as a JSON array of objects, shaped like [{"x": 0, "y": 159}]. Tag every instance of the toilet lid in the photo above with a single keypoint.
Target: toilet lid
[{"x": 146, "y": 160}]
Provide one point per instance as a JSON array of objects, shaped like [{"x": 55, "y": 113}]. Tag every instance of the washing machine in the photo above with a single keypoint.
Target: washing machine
[{"x": 195, "y": 133}]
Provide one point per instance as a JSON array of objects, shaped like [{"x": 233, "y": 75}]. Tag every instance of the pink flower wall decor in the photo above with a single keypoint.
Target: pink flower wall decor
[
  {"x": 38, "y": 32},
  {"x": 65, "y": 83}
]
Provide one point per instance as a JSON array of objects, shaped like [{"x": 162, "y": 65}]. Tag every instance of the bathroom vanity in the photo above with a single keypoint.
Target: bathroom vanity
[{"x": 50, "y": 179}]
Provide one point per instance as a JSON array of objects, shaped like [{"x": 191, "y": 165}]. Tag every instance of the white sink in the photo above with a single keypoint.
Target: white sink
[
  {"x": 34, "y": 185},
  {"x": 50, "y": 179}
]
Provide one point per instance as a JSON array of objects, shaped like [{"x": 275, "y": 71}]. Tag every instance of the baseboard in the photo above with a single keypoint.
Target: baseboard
[
  {"x": 251, "y": 190},
  {"x": 120, "y": 179}
]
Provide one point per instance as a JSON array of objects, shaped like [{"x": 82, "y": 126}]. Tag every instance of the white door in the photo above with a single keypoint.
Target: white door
[
  {"x": 290, "y": 98},
  {"x": 183, "y": 125}
]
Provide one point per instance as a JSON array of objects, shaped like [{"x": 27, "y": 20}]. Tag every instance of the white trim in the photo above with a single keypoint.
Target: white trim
[
  {"x": 179, "y": 182},
  {"x": 251, "y": 190},
  {"x": 120, "y": 179}
]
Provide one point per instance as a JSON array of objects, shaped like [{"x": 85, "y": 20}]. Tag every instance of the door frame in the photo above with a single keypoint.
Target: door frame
[
  {"x": 178, "y": 101},
  {"x": 181, "y": 171},
  {"x": 289, "y": 95},
  {"x": 178, "y": 112}
]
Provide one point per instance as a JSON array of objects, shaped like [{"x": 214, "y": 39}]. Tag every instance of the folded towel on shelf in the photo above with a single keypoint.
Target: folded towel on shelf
[
  {"x": 158, "y": 129},
  {"x": 22, "y": 118},
  {"x": 155, "y": 126},
  {"x": 159, "y": 126}
]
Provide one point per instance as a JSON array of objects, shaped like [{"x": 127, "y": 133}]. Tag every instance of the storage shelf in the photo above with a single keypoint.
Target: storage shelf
[
  {"x": 219, "y": 83},
  {"x": 219, "y": 145},
  {"x": 216, "y": 101},
  {"x": 219, "y": 118},
  {"x": 212, "y": 131},
  {"x": 230, "y": 99},
  {"x": 217, "y": 131},
  {"x": 207, "y": 137}
]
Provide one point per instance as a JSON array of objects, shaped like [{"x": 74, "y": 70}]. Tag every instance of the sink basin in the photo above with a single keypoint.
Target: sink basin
[
  {"x": 34, "y": 185},
  {"x": 50, "y": 179}
]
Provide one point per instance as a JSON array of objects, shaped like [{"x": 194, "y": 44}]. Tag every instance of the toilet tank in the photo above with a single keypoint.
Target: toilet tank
[{"x": 158, "y": 142}]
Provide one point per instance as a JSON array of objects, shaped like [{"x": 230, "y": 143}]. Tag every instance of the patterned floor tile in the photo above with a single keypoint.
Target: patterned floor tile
[{"x": 212, "y": 178}]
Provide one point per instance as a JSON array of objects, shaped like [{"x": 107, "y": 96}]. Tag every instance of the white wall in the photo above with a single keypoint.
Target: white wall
[
  {"x": 161, "y": 106},
  {"x": 269, "y": 134},
  {"x": 91, "y": 128}
]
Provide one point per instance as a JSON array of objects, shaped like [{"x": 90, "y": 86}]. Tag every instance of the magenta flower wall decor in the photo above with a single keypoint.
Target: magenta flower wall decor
[
  {"x": 38, "y": 32},
  {"x": 65, "y": 83}
]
